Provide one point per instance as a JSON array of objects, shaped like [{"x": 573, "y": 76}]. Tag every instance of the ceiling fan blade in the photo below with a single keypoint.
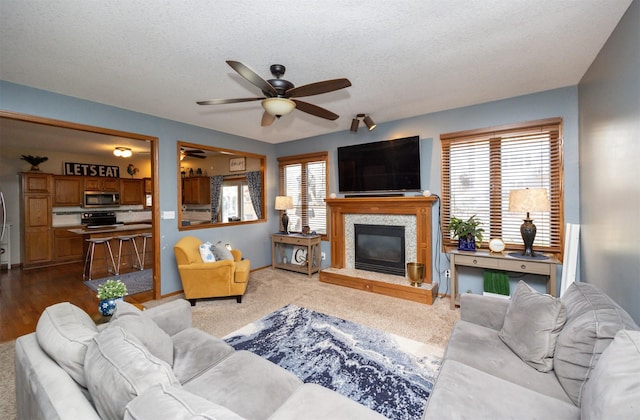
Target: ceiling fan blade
[
  {"x": 317, "y": 88},
  {"x": 315, "y": 110},
  {"x": 227, "y": 101},
  {"x": 252, "y": 77},
  {"x": 267, "y": 119}
]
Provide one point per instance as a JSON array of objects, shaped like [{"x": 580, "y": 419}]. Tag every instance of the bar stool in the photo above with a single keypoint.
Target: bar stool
[
  {"x": 91, "y": 252},
  {"x": 132, "y": 247},
  {"x": 145, "y": 236}
]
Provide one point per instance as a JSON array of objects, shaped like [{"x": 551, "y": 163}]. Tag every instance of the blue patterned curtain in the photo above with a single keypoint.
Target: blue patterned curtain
[
  {"x": 216, "y": 195},
  {"x": 254, "y": 180}
]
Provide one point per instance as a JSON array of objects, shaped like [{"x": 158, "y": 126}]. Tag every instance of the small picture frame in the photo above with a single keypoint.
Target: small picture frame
[{"x": 237, "y": 164}]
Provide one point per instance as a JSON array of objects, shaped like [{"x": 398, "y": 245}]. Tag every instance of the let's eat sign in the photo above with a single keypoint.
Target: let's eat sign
[{"x": 90, "y": 169}]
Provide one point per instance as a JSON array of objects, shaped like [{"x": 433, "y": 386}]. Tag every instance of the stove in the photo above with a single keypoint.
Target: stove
[{"x": 98, "y": 219}]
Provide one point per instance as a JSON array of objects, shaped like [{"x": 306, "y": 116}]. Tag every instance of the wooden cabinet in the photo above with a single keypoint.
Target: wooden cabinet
[
  {"x": 67, "y": 246},
  {"x": 196, "y": 190},
  {"x": 131, "y": 191},
  {"x": 36, "y": 219},
  {"x": 67, "y": 190},
  {"x": 148, "y": 186},
  {"x": 93, "y": 183}
]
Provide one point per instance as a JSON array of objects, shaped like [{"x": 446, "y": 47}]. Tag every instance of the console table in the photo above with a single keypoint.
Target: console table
[
  {"x": 498, "y": 261},
  {"x": 311, "y": 261}
]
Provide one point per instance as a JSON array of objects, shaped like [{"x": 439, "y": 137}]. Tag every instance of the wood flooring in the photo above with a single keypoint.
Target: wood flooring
[{"x": 24, "y": 294}]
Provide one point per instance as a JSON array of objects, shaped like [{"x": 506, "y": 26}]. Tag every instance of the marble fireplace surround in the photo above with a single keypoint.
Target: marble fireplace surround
[{"x": 412, "y": 212}]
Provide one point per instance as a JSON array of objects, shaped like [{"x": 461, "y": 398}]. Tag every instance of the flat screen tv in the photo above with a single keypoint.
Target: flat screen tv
[{"x": 383, "y": 166}]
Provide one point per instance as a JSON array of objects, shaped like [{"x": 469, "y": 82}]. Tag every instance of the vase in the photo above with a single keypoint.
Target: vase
[
  {"x": 108, "y": 306},
  {"x": 467, "y": 244}
]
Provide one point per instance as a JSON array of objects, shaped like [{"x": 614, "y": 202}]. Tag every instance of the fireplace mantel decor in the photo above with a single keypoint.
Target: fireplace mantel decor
[{"x": 418, "y": 206}]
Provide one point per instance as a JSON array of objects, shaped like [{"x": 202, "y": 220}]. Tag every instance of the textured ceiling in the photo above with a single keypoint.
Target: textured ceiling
[{"x": 404, "y": 58}]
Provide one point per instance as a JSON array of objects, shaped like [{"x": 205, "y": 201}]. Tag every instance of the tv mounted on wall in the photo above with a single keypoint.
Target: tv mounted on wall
[{"x": 383, "y": 166}]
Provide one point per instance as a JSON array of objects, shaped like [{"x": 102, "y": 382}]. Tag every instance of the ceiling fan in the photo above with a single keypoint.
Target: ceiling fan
[
  {"x": 278, "y": 93},
  {"x": 195, "y": 153}
]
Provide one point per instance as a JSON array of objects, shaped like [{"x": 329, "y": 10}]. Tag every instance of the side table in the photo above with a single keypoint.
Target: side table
[
  {"x": 484, "y": 259},
  {"x": 279, "y": 241}
]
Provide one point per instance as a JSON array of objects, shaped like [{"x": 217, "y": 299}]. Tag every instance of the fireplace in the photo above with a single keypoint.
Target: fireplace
[{"x": 380, "y": 248}]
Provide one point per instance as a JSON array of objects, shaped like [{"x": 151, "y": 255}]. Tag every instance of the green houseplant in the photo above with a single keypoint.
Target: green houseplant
[
  {"x": 109, "y": 293},
  {"x": 468, "y": 232}
]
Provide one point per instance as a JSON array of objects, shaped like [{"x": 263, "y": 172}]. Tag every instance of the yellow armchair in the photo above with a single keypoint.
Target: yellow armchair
[{"x": 215, "y": 279}]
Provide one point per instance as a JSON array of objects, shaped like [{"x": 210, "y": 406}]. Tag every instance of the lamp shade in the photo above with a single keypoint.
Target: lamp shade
[
  {"x": 284, "y": 202},
  {"x": 529, "y": 200},
  {"x": 278, "y": 106}
]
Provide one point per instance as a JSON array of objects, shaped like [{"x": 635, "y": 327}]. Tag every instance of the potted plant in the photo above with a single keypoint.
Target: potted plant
[
  {"x": 467, "y": 231},
  {"x": 34, "y": 161},
  {"x": 109, "y": 293}
]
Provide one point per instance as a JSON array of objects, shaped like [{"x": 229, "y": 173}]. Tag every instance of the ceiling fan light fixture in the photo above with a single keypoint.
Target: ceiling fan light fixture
[
  {"x": 369, "y": 122},
  {"x": 278, "y": 106},
  {"x": 124, "y": 152}
]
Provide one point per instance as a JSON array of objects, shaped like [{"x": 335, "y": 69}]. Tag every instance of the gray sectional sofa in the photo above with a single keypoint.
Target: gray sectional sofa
[
  {"x": 537, "y": 357},
  {"x": 153, "y": 365}
]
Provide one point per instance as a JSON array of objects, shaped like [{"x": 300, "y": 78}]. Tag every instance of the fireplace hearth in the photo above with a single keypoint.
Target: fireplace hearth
[{"x": 380, "y": 248}]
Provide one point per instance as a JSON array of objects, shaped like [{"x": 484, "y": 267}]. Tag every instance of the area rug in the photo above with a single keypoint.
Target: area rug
[
  {"x": 136, "y": 281},
  {"x": 387, "y": 373}
]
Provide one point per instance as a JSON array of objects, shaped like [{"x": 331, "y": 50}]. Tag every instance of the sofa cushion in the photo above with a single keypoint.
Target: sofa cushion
[
  {"x": 613, "y": 390},
  {"x": 315, "y": 402},
  {"x": 481, "y": 348},
  {"x": 205, "y": 253},
  {"x": 130, "y": 319},
  {"x": 462, "y": 392},
  {"x": 64, "y": 332},
  {"x": 246, "y": 384},
  {"x": 169, "y": 402},
  {"x": 531, "y": 326},
  {"x": 195, "y": 352},
  {"x": 593, "y": 319},
  {"x": 118, "y": 368}
]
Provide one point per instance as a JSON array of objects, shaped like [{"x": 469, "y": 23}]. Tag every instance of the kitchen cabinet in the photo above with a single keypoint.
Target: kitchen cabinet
[
  {"x": 67, "y": 246},
  {"x": 148, "y": 186},
  {"x": 94, "y": 183},
  {"x": 36, "y": 219},
  {"x": 131, "y": 191},
  {"x": 67, "y": 190},
  {"x": 196, "y": 190}
]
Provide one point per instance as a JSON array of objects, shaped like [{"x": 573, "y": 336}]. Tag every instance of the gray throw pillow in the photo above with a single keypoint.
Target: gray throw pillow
[
  {"x": 593, "y": 319},
  {"x": 64, "y": 332},
  {"x": 531, "y": 326},
  {"x": 613, "y": 390},
  {"x": 118, "y": 368},
  {"x": 133, "y": 321},
  {"x": 221, "y": 252}
]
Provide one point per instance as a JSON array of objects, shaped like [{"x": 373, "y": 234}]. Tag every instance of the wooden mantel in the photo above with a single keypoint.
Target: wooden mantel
[{"x": 418, "y": 206}]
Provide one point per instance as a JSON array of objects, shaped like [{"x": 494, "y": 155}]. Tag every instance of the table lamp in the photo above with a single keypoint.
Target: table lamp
[
  {"x": 284, "y": 203},
  {"x": 528, "y": 200}
]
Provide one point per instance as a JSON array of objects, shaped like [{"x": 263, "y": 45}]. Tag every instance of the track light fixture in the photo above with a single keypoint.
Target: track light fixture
[
  {"x": 124, "y": 152},
  {"x": 356, "y": 121}
]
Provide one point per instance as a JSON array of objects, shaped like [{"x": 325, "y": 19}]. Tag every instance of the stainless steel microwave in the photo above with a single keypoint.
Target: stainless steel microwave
[{"x": 93, "y": 199}]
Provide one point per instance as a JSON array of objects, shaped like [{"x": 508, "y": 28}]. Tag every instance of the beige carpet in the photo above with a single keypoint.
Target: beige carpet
[{"x": 271, "y": 289}]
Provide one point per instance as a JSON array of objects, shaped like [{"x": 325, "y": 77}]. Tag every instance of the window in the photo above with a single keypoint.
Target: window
[
  {"x": 236, "y": 201},
  {"x": 304, "y": 179},
  {"x": 480, "y": 168}
]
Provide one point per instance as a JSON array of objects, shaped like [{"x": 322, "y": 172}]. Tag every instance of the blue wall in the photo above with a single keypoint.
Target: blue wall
[
  {"x": 554, "y": 103},
  {"x": 252, "y": 239},
  {"x": 610, "y": 166}
]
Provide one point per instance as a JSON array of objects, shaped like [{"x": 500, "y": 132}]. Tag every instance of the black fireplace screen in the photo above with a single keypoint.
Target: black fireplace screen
[{"x": 380, "y": 248}]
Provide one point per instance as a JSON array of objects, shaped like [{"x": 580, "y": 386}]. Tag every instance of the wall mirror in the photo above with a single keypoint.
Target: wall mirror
[{"x": 219, "y": 187}]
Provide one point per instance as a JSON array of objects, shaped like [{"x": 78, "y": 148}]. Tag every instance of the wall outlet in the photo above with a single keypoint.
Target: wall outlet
[
  {"x": 323, "y": 256},
  {"x": 447, "y": 273}
]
